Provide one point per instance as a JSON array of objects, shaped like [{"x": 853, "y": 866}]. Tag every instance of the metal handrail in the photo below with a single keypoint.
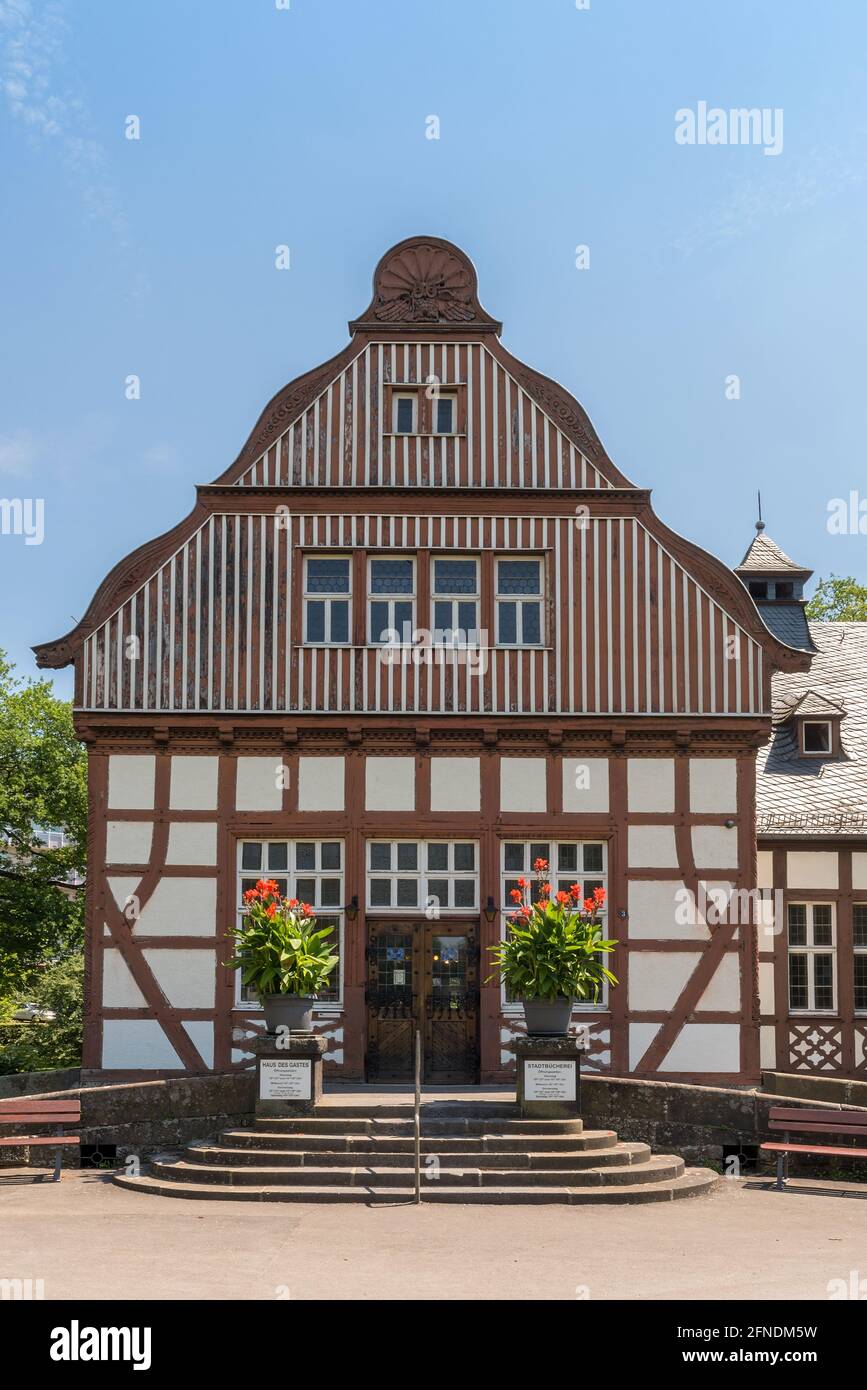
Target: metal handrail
[{"x": 417, "y": 1115}]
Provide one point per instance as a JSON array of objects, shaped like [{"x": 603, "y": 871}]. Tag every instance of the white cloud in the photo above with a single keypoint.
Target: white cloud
[{"x": 19, "y": 452}]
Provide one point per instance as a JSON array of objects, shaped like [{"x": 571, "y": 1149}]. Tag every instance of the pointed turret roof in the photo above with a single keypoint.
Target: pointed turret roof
[{"x": 765, "y": 557}]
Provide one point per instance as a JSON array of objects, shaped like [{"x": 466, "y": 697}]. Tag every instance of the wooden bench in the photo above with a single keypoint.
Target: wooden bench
[
  {"x": 851, "y": 1123},
  {"x": 57, "y": 1113}
]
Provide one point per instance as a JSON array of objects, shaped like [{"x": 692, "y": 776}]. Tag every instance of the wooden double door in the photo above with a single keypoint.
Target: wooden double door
[{"x": 423, "y": 975}]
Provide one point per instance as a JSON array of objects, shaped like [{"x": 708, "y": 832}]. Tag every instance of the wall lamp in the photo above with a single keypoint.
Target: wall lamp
[
  {"x": 489, "y": 910},
  {"x": 351, "y": 908},
  {"x": 729, "y": 824}
]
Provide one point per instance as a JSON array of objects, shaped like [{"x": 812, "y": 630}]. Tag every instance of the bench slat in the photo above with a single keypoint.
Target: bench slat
[
  {"x": 814, "y": 1149},
  {"x": 835, "y": 1118},
  {"x": 39, "y": 1141},
  {"x": 775, "y": 1126},
  {"x": 39, "y": 1117}
]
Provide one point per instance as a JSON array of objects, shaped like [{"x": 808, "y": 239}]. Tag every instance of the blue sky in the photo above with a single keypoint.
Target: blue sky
[{"x": 263, "y": 126}]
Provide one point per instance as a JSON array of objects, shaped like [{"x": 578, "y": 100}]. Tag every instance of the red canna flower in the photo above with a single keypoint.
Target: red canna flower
[
  {"x": 293, "y": 902},
  {"x": 563, "y": 898},
  {"x": 589, "y": 905},
  {"x": 251, "y": 895},
  {"x": 545, "y": 890},
  {"x": 307, "y": 910},
  {"x": 267, "y": 888},
  {"x": 515, "y": 895},
  {"x": 575, "y": 890},
  {"x": 271, "y": 910},
  {"x": 599, "y": 895},
  {"x": 523, "y": 883},
  {"x": 540, "y": 865}
]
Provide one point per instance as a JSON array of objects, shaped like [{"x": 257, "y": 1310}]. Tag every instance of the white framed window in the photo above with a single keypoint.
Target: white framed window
[
  {"x": 816, "y": 737},
  {"x": 519, "y": 603},
  {"x": 444, "y": 413},
  {"x": 327, "y": 600},
  {"x": 812, "y": 957},
  {"x": 859, "y": 944},
  {"x": 584, "y": 862},
  {"x": 404, "y": 406},
  {"x": 391, "y": 600},
  {"x": 430, "y": 876},
  {"x": 312, "y": 872},
  {"x": 455, "y": 595}
]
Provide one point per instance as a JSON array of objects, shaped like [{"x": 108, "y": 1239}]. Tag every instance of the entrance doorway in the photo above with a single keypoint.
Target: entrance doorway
[{"x": 423, "y": 975}]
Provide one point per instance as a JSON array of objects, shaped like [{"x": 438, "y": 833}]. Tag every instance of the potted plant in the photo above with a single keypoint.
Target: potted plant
[
  {"x": 552, "y": 953},
  {"x": 282, "y": 955}
]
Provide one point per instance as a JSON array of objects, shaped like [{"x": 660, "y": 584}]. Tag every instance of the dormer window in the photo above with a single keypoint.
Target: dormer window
[
  {"x": 816, "y": 736},
  {"x": 444, "y": 414},
  {"x": 784, "y": 589},
  {"x": 759, "y": 588},
  {"x": 405, "y": 407}
]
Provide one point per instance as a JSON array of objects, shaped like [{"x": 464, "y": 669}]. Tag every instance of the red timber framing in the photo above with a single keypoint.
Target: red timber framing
[{"x": 650, "y": 649}]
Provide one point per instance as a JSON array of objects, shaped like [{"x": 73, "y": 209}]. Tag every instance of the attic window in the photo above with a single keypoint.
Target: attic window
[
  {"x": 784, "y": 589},
  {"x": 759, "y": 588},
  {"x": 816, "y": 736},
  {"x": 404, "y": 414}
]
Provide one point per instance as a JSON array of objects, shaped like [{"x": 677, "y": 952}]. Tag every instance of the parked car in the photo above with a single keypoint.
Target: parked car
[{"x": 32, "y": 1013}]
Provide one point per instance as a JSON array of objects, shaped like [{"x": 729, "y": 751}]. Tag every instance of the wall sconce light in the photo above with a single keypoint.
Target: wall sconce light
[
  {"x": 729, "y": 824},
  {"x": 490, "y": 909},
  {"x": 351, "y": 909}
]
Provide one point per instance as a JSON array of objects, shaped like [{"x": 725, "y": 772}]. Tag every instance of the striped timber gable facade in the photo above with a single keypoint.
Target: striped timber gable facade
[{"x": 622, "y": 742}]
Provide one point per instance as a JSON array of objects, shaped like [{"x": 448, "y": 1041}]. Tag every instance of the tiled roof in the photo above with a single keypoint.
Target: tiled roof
[
  {"x": 788, "y": 622},
  {"x": 816, "y": 706},
  {"x": 764, "y": 556},
  {"x": 815, "y": 795}
]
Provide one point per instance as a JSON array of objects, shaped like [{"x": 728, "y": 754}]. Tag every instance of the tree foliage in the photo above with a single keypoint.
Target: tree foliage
[
  {"x": 46, "y": 1046},
  {"x": 838, "y": 600},
  {"x": 43, "y": 782}
]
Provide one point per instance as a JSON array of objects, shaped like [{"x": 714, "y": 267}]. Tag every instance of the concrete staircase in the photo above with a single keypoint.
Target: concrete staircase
[{"x": 479, "y": 1151}]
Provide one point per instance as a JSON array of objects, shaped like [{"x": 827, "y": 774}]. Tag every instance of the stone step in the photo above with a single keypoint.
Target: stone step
[
  {"x": 329, "y": 1108},
  {"x": 430, "y": 1124},
  {"x": 692, "y": 1182},
  {"x": 208, "y": 1153},
  {"x": 659, "y": 1168},
  {"x": 304, "y": 1141}
]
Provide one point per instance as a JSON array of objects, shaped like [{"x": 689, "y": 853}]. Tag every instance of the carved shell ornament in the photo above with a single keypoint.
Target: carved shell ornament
[{"x": 424, "y": 284}]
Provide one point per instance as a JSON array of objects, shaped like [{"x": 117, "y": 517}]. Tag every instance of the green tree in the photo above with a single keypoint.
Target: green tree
[
  {"x": 43, "y": 782},
  {"x": 838, "y": 600},
  {"x": 45, "y": 1046}
]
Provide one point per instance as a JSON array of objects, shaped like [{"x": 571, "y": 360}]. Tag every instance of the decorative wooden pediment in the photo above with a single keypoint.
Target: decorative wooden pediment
[{"x": 425, "y": 283}]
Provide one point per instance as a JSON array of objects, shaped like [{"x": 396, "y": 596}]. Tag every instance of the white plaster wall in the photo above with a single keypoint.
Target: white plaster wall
[
  {"x": 186, "y": 978},
  {"x": 122, "y": 887},
  {"x": 259, "y": 784},
  {"x": 192, "y": 842},
  {"x": 641, "y": 1035},
  {"x": 811, "y": 869},
  {"x": 455, "y": 784},
  {"x": 654, "y": 910},
  {"x": 585, "y": 784},
  {"x": 656, "y": 978},
  {"x": 652, "y": 847},
  {"x": 650, "y": 784},
  {"x": 201, "y": 1034},
  {"x": 768, "y": 1047},
  {"x": 765, "y": 869},
  {"x": 723, "y": 993},
  {"x": 389, "y": 784},
  {"x": 859, "y": 870},
  {"x": 193, "y": 782},
  {"x": 119, "y": 989},
  {"x": 131, "y": 781},
  {"x": 715, "y": 847},
  {"x": 705, "y": 1047},
  {"x": 137, "y": 1044},
  {"x": 180, "y": 907},
  {"x": 713, "y": 785},
  {"x": 767, "y": 1003},
  {"x": 128, "y": 841},
  {"x": 522, "y": 784},
  {"x": 321, "y": 783}
]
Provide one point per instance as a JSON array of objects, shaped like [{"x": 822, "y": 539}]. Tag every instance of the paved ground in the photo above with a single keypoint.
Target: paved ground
[{"x": 88, "y": 1239}]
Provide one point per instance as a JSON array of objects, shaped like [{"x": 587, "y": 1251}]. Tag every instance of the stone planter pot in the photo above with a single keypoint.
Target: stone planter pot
[
  {"x": 547, "y": 1018},
  {"x": 292, "y": 1011}
]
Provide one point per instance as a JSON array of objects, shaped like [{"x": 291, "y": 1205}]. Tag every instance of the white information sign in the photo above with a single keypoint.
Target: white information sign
[
  {"x": 288, "y": 1078},
  {"x": 549, "y": 1080}
]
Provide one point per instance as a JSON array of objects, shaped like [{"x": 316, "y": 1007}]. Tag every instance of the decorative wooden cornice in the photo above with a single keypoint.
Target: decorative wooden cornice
[{"x": 428, "y": 283}]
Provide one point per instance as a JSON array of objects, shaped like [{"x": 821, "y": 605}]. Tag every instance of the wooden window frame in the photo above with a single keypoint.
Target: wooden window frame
[{"x": 810, "y": 950}]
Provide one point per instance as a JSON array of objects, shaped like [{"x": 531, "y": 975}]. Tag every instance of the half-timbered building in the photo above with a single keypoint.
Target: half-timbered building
[{"x": 420, "y": 633}]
